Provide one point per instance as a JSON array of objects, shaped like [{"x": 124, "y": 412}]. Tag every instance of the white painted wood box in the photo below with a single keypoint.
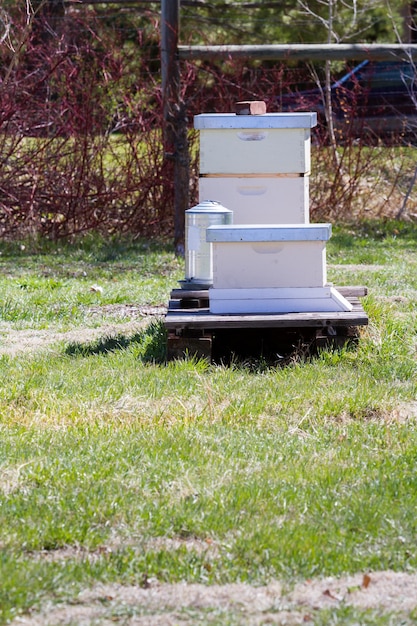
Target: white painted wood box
[
  {"x": 269, "y": 256},
  {"x": 259, "y": 199},
  {"x": 274, "y": 143},
  {"x": 282, "y": 300}
]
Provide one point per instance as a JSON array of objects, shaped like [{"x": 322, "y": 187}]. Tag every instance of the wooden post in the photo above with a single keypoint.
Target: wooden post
[{"x": 174, "y": 116}]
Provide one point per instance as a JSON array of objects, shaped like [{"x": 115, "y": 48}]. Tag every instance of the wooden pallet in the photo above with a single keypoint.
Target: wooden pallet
[{"x": 193, "y": 330}]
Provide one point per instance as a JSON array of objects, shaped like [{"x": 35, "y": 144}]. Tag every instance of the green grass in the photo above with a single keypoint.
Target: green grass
[
  {"x": 118, "y": 467},
  {"x": 45, "y": 285}
]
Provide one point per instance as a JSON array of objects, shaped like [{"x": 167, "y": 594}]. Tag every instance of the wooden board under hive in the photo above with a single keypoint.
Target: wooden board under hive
[{"x": 193, "y": 330}]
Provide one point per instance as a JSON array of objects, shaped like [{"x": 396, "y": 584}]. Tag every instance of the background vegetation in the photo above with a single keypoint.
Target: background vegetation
[{"x": 81, "y": 120}]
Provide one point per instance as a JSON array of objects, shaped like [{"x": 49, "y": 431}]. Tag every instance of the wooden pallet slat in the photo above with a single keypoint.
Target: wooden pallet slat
[{"x": 191, "y": 327}]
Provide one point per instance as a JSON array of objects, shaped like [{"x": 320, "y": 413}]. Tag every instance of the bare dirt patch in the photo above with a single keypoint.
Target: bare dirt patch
[
  {"x": 185, "y": 604},
  {"x": 14, "y": 342}
]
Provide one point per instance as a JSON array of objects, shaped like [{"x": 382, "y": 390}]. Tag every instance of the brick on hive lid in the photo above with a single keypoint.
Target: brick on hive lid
[{"x": 251, "y": 107}]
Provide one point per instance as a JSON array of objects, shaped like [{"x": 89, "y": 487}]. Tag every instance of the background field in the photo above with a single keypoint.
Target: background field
[{"x": 117, "y": 468}]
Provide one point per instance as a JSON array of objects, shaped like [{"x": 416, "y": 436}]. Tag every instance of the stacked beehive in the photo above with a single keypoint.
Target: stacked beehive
[{"x": 271, "y": 259}]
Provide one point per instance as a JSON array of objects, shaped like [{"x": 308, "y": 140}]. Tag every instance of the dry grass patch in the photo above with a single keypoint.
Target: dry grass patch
[
  {"x": 16, "y": 342},
  {"x": 155, "y": 603}
]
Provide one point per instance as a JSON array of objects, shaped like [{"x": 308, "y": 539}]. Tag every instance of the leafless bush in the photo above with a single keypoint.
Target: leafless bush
[
  {"x": 81, "y": 124},
  {"x": 80, "y": 139}
]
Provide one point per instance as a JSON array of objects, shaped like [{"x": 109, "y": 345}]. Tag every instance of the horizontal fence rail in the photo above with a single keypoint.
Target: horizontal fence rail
[{"x": 303, "y": 52}]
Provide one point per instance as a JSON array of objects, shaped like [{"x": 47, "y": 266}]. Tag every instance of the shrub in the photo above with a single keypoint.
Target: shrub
[{"x": 81, "y": 127}]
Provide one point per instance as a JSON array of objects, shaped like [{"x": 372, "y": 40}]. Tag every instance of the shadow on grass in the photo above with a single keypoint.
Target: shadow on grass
[
  {"x": 150, "y": 344},
  {"x": 255, "y": 351},
  {"x": 262, "y": 348}
]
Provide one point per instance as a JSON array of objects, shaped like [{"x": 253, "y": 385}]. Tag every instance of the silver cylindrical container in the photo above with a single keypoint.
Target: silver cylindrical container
[{"x": 198, "y": 252}]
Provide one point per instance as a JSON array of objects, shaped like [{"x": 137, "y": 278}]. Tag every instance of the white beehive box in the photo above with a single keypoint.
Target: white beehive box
[
  {"x": 274, "y": 143},
  {"x": 282, "y": 300},
  {"x": 260, "y": 200},
  {"x": 269, "y": 256}
]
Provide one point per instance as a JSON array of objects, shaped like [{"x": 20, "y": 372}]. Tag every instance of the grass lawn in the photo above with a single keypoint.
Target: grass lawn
[{"x": 119, "y": 468}]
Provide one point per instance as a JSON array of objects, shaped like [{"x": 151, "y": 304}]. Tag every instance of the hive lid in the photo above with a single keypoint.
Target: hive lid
[
  {"x": 269, "y": 232},
  {"x": 205, "y": 121},
  {"x": 208, "y": 206}
]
